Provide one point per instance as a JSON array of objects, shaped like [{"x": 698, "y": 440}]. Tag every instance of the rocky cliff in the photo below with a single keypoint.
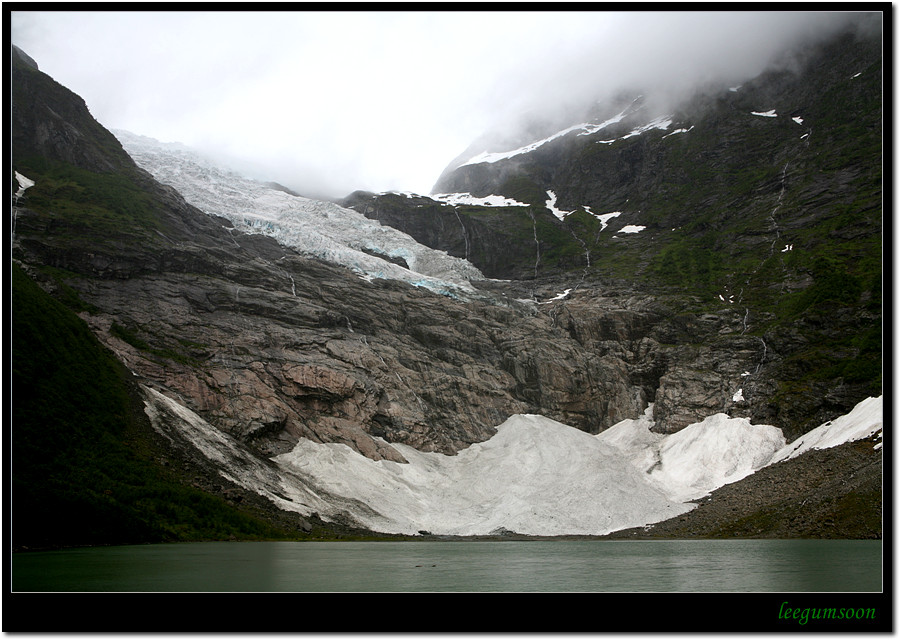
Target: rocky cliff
[
  {"x": 756, "y": 208},
  {"x": 270, "y": 345}
]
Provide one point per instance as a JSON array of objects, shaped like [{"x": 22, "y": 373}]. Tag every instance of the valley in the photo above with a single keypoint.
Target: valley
[{"x": 623, "y": 327}]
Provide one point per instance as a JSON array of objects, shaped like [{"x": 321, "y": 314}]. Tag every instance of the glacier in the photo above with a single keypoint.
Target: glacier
[
  {"x": 316, "y": 228},
  {"x": 535, "y": 476}
]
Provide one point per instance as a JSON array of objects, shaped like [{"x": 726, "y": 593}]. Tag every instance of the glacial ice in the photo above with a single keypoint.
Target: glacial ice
[
  {"x": 317, "y": 228},
  {"x": 535, "y": 476}
]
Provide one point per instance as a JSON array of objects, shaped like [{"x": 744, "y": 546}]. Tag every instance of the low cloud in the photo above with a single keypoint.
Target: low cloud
[{"x": 330, "y": 102}]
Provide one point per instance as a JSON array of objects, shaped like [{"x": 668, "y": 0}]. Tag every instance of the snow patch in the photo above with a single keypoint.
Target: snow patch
[
  {"x": 469, "y": 199},
  {"x": 585, "y": 128},
  {"x": 765, "y": 114},
  {"x": 663, "y": 122},
  {"x": 24, "y": 183},
  {"x": 604, "y": 218},
  {"x": 678, "y": 131},
  {"x": 551, "y": 204},
  {"x": 865, "y": 419},
  {"x": 632, "y": 228},
  {"x": 797, "y": 119},
  {"x": 559, "y": 296}
]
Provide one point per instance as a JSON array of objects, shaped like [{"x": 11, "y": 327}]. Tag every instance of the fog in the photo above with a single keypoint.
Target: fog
[{"x": 330, "y": 102}]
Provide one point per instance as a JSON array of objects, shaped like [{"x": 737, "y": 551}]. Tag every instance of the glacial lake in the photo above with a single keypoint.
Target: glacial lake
[{"x": 459, "y": 566}]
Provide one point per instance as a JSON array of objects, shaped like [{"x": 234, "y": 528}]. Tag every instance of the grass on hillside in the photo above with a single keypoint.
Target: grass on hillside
[{"x": 105, "y": 203}]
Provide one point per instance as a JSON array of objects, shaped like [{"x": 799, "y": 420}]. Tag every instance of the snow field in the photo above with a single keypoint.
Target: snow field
[
  {"x": 535, "y": 476},
  {"x": 540, "y": 477},
  {"x": 469, "y": 199},
  {"x": 584, "y": 129}
]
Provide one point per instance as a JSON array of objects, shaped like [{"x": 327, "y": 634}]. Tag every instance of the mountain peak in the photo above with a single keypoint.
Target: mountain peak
[{"x": 21, "y": 56}]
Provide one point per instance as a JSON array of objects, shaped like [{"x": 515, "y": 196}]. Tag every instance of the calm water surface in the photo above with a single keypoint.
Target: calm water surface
[{"x": 575, "y": 566}]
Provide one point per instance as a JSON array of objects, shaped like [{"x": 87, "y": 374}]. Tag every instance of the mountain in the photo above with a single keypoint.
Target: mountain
[
  {"x": 286, "y": 356},
  {"x": 758, "y": 206}
]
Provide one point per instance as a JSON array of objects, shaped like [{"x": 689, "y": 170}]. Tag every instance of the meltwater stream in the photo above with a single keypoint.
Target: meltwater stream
[{"x": 459, "y": 566}]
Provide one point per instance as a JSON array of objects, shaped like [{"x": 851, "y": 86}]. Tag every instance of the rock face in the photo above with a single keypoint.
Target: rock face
[
  {"x": 498, "y": 240},
  {"x": 271, "y": 346},
  {"x": 773, "y": 267}
]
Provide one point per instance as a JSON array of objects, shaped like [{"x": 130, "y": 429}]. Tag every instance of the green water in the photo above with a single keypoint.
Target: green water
[{"x": 520, "y": 566}]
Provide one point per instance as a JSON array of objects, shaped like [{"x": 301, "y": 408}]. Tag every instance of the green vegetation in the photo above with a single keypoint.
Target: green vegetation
[
  {"x": 523, "y": 189},
  {"x": 110, "y": 204},
  {"x": 83, "y": 463},
  {"x": 684, "y": 263},
  {"x": 65, "y": 293}
]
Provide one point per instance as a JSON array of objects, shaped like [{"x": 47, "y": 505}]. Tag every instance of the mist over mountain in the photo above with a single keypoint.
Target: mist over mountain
[
  {"x": 390, "y": 96},
  {"x": 602, "y": 313},
  {"x": 666, "y": 59}
]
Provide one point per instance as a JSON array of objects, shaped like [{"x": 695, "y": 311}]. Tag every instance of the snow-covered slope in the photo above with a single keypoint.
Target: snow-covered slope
[
  {"x": 535, "y": 476},
  {"x": 316, "y": 228},
  {"x": 699, "y": 458},
  {"x": 865, "y": 420},
  {"x": 580, "y": 129}
]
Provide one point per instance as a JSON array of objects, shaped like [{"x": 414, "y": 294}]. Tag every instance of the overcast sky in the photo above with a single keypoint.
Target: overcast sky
[{"x": 330, "y": 102}]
